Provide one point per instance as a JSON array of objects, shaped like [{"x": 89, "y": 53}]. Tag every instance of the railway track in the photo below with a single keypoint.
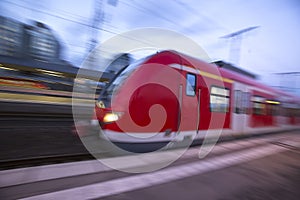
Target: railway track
[
  {"x": 71, "y": 157},
  {"x": 43, "y": 160}
]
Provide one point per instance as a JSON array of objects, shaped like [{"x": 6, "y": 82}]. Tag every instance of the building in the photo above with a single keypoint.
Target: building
[
  {"x": 11, "y": 37},
  {"x": 32, "y": 53},
  {"x": 41, "y": 43},
  {"x": 35, "y": 41}
]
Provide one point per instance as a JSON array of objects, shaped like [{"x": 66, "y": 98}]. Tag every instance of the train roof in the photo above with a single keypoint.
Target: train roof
[
  {"x": 231, "y": 67},
  {"x": 235, "y": 75}
]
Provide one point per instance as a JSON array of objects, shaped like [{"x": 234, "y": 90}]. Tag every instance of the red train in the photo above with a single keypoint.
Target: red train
[{"x": 169, "y": 96}]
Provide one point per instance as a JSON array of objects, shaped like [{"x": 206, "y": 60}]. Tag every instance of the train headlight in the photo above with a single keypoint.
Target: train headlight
[
  {"x": 100, "y": 104},
  {"x": 111, "y": 117}
]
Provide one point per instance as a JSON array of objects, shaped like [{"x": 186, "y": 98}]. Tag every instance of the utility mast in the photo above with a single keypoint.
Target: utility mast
[
  {"x": 96, "y": 24},
  {"x": 95, "y": 30},
  {"x": 235, "y": 43}
]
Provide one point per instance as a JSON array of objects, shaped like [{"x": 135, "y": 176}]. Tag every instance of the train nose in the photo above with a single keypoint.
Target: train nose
[{"x": 106, "y": 115}]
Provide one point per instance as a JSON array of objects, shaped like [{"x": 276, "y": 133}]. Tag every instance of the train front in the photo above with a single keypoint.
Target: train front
[
  {"x": 140, "y": 104},
  {"x": 112, "y": 107}
]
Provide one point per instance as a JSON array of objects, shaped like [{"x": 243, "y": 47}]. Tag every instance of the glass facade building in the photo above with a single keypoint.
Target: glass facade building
[
  {"x": 42, "y": 44},
  {"x": 35, "y": 41},
  {"x": 11, "y": 37}
]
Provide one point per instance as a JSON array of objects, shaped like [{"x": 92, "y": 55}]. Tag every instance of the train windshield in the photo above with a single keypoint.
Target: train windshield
[
  {"x": 122, "y": 77},
  {"x": 115, "y": 84}
]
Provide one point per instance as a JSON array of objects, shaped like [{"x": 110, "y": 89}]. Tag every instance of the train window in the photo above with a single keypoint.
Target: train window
[
  {"x": 259, "y": 107},
  {"x": 273, "y": 107},
  {"x": 248, "y": 102},
  {"x": 190, "y": 84},
  {"x": 238, "y": 101},
  {"x": 219, "y": 99}
]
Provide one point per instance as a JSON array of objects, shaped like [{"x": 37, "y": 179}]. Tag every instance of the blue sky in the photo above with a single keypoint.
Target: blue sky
[{"x": 272, "y": 48}]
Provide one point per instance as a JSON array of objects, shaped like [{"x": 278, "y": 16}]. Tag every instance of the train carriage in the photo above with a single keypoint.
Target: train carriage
[{"x": 169, "y": 96}]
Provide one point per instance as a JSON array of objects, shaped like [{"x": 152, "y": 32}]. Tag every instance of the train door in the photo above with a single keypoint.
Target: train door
[
  {"x": 190, "y": 107},
  {"x": 198, "y": 109},
  {"x": 194, "y": 92},
  {"x": 240, "y": 108}
]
